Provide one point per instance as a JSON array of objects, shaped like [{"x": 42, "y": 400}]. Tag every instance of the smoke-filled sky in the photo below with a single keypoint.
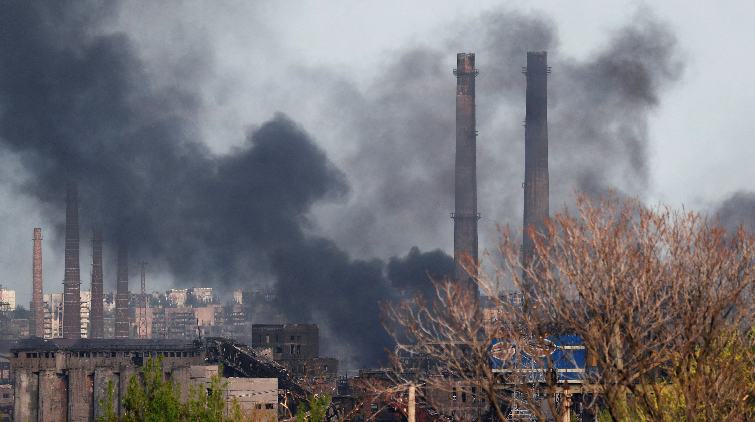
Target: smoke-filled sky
[{"x": 308, "y": 146}]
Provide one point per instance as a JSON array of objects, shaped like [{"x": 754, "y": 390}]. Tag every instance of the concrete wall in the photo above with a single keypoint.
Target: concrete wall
[
  {"x": 68, "y": 384},
  {"x": 102, "y": 377},
  {"x": 53, "y": 397},
  {"x": 25, "y": 405},
  {"x": 257, "y": 396}
]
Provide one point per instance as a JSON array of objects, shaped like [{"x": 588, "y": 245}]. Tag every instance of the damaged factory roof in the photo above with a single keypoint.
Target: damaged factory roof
[{"x": 110, "y": 344}]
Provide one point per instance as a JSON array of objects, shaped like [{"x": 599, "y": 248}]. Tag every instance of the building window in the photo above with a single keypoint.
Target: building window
[
  {"x": 292, "y": 349},
  {"x": 453, "y": 394},
  {"x": 6, "y": 395},
  {"x": 463, "y": 396},
  {"x": 267, "y": 339},
  {"x": 374, "y": 407},
  {"x": 269, "y": 406}
]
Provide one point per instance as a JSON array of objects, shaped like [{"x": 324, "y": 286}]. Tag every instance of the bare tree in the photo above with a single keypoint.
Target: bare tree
[{"x": 661, "y": 301}]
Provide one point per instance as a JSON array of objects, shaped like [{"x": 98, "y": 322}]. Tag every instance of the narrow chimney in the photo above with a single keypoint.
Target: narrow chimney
[
  {"x": 36, "y": 307},
  {"x": 465, "y": 215},
  {"x": 535, "y": 148},
  {"x": 97, "y": 314},
  {"x": 72, "y": 279},
  {"x": 121, "y": 295}
]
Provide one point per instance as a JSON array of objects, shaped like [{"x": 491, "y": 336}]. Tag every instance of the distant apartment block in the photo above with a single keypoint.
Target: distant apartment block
[
  {"x": 8, "y": 297},
  {"x": 201, "y": 294}
]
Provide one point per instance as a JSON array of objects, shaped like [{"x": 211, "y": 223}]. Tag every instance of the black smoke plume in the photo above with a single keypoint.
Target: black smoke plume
[
  {"x": 738, "y": 208},
  {"x": 83, "y": 110}
]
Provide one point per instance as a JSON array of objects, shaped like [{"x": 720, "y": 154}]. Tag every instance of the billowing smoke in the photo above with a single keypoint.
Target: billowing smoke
[
  {"x": 84, "y": 111},
  {"x": 738, "y": 208},
  {"x": 402, "y": 173},
  {"x": 316, "y": 220},
  {"x": 415, "y": 273}
]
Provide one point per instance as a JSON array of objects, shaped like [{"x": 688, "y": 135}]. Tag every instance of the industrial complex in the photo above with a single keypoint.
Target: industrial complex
[{"x": 73, "y": 345}]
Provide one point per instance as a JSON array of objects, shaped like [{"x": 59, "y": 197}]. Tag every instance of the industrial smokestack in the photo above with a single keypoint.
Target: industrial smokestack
[
  {"x": 465, "y": 215},
  {"x": 97, "y": 314},
  {"x": 72, "y": 278},
  {"x": 121, "y": 295},
  {"x": 536, "y": 206},
  {"x": 36, "y": 307}
]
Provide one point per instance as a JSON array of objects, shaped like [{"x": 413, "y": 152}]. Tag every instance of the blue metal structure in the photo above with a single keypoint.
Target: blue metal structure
[{"x": 566, "y": 354}]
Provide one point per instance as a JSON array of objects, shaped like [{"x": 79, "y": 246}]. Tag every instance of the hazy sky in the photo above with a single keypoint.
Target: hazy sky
[{"x": 649, "y": 99}]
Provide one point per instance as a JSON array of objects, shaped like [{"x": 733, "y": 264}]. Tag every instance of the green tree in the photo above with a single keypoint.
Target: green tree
[
  {"x": 315, "y": 412},
  {"x": 155, "y": 399},
  {"x": 107, "y": 405},
  {"x": 208, "y": 404}
]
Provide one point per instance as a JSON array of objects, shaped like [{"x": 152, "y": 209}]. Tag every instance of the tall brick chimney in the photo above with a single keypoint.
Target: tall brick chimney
[
  {"x": 97, "y": 314},
  {"x": 36, "y": 307},
  {"x": 72, "y": 278},
  {"x": 465, "y": 215},
  {"x": 535, "y": 148},
  {"x": 121, "y": 295}
]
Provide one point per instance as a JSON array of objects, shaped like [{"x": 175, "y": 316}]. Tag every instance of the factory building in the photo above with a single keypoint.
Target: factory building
[
  {"x": 296, "y": 347},
  {"x": 64, "y": 379}
]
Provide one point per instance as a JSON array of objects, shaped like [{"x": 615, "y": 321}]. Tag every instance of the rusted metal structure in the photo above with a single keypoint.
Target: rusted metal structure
[
  {"x": 121, "y": 294},
  {"x": 72, "y": 278},
  {"x": 143, "y": 303},
  {"x": 97, "y": 314},
  {"x": 465, "y": 215},
  {"x": 535, "y": 148},
  {"x": 36, "y": 307}
]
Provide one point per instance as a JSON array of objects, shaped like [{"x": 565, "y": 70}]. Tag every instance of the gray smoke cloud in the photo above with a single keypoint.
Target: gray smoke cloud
[
  {"x": 403, "y": 122},
  {"x": 737, "y": 208},
  {"x": 328, "y": 222}
]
